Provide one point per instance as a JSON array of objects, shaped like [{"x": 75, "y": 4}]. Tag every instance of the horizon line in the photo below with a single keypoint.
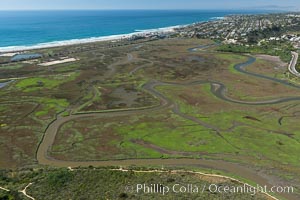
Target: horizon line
[{"x": 119, "y": 9}]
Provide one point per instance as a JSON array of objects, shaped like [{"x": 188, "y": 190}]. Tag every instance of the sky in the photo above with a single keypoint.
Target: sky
[{"x": 148, "y": 4}]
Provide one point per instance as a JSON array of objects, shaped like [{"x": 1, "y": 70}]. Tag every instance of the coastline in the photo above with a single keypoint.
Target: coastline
[
  {"x": 27, "y": 44},
  {"x": 143, "y": 33},
  {"x": 137, "y": 33}
]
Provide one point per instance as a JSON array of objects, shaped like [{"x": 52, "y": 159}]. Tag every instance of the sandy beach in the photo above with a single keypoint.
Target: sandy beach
[{"x": 139, "y": 33}]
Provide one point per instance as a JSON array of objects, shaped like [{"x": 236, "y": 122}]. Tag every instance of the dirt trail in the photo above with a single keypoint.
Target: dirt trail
[
  {"x": 7, "y": 190},
  {"x": 218, "y": 89},
  {"x": 24, "y": 191},
  {"x": 193, "y": 172}
]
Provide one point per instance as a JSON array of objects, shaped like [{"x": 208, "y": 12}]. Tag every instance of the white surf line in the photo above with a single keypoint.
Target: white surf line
[
  {"x": 7, "y": 190},
  {"x": 112, "y": 38},
  {"x": 24, "y": 191},
  {"x": 192, "y": 172}
]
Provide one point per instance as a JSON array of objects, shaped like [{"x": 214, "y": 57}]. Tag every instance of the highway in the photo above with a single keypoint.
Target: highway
[{"x": 293, "y": 63}]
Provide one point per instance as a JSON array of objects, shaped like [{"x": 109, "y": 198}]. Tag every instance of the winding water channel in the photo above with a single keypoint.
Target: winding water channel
[
  {"x": 217, "y": 88},
  {"x": 3, "y": 84}
]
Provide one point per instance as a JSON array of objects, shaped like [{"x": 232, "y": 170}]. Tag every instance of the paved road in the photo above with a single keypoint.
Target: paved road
[
  {"x": 217, "y": 88},
  {"x": 293, "y": 63}
]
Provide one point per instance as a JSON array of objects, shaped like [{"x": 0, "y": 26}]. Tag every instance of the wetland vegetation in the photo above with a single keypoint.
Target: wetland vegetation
[{"x": 168, "y": 99}]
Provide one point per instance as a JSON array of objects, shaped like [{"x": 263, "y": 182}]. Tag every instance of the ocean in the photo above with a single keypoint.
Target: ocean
[{"x": 21, "y": 29}]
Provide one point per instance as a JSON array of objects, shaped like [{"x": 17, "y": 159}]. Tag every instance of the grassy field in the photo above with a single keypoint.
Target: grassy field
[
  {"x": 242, "y": 125},
  {"x": 195, "y": 124}
]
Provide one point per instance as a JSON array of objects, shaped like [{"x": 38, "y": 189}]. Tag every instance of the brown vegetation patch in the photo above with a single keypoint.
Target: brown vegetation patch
[
  {"x": 82, "y": 140},
  {"x": 120, "y": 97}
]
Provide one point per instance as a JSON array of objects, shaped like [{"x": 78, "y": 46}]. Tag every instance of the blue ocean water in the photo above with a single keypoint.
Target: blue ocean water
[{"x": 28, "y": 28}]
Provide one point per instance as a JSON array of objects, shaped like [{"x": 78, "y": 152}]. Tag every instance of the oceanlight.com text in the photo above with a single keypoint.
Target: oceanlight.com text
[{"x": 212, "y": 188}]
